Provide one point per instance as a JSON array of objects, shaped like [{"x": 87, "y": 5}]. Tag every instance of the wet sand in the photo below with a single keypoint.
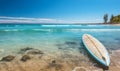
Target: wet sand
[{"x": 66, "y": 62}]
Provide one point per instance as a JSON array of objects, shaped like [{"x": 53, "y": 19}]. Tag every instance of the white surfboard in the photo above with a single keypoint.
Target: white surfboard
[{"x": 96, "y": 49}]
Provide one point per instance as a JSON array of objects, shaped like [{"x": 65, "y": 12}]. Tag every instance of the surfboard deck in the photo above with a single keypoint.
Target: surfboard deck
[{"x": 96, "y": 49}]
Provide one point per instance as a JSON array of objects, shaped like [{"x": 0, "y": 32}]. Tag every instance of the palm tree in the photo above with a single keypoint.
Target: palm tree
[{"x": 105, "y": 18}]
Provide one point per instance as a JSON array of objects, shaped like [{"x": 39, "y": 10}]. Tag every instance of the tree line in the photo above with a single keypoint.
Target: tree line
[{"x": 113, "y": 19}]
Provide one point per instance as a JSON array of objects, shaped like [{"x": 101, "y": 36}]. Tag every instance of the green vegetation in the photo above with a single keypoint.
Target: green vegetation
[{"x": 115, "y": 19}]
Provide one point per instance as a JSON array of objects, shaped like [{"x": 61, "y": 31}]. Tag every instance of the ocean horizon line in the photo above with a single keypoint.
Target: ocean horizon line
[{"x": 59, "y": 23}]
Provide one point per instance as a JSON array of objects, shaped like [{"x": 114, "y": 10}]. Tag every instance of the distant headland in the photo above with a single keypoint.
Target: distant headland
[{"x": 113, "y": 19}]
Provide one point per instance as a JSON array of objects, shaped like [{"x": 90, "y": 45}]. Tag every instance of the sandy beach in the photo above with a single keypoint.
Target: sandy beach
[
  {"x": 116, "y": 24},
  {"x": 47, "y": 62}
]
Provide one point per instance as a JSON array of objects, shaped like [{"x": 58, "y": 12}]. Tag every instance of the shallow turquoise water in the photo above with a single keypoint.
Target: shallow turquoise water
[{"x": 53, "y": 39}]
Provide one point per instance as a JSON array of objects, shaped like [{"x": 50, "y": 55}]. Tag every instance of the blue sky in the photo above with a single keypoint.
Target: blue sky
[{"x": 53, "y": 11}]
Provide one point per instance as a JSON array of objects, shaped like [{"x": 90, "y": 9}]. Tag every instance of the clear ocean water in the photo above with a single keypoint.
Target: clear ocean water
[{"x": 54, "y": 39}]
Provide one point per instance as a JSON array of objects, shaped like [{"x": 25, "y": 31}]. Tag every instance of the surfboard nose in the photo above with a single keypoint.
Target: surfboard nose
[{"x": 84, "y": 35}]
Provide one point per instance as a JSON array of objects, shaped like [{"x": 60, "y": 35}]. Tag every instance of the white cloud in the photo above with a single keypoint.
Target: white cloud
[{"x": 4, "y": 19}]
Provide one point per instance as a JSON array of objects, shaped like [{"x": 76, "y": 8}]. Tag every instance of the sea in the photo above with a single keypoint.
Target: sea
[{"x": 55, "y": 38}]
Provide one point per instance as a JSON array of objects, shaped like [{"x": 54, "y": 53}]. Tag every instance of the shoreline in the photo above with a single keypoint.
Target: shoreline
[
  {"x": 47, "y": 62},
  {"x": 116, "y": 24}
]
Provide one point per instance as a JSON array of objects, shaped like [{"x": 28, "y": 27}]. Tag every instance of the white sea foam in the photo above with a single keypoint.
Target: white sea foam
[
  {"x": 55, "y": 25},
  {"x": 93, "y": 30},
  {"x": 42, "y": 30},
  {"x": 74, "y": 25},
  {"x": 73, "y": 30},
  {"x": 7, "y": 30}
]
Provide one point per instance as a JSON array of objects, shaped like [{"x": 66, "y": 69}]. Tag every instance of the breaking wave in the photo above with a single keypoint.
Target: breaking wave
[{"x": 62, "y": 30}]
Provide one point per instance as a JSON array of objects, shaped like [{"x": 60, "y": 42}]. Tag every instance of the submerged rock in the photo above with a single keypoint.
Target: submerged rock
[
  {"x": 70, "y": 43},
  {"x": 25, "y": 58},
  {"x": 25, "y": 49},
  {"x": 55, "y": 65},
  {"x": 53, "y": 61},
  {"x": 34, "y": 52},
  {"x": 8, "y": 58}
]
